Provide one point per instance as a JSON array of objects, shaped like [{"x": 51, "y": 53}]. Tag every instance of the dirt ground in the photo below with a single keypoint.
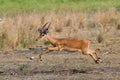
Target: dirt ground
[{"x": 62, "y": 65}]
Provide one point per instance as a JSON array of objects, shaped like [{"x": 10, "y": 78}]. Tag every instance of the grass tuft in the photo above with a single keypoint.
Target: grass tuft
[{"x": 100, "y": 37}]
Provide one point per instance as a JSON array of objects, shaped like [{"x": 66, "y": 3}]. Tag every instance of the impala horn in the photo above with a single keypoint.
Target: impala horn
[
  {"x": 44, "y": 30},
  {"x": 48, "y": 26}
]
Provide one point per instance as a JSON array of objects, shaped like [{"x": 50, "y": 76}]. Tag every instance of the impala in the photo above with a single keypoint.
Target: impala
[{"x": 64, "y": 43}]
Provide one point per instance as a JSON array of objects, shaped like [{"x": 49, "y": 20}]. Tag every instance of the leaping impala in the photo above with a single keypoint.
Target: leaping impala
[{"x": 64, "y": 43}]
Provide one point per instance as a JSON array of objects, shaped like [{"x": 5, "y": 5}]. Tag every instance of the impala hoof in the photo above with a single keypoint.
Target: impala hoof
[
  {"x": 40, "y": 59},
  {"x": 98, "y": 61},
  {"x": 31, "y": 58}
]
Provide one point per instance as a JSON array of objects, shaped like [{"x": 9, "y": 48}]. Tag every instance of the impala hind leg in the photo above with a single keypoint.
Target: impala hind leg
[
  {"x": 91, "y": 53},
  {"x": 97, "y": 55},
  {"x": 94, "y": 58}
]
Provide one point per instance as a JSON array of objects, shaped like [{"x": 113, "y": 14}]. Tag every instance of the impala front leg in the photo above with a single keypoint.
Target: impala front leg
[{"x": 45, "y": 52}]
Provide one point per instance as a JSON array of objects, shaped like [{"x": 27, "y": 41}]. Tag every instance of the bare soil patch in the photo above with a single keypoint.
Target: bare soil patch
[{"x": 58, "y": 66}]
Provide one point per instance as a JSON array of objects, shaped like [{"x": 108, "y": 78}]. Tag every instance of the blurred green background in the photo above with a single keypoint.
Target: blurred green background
[{"x": 23, "y": 6}]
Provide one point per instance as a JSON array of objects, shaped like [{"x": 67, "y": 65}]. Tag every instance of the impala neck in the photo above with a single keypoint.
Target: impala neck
[{"x": 51, "y": 40}]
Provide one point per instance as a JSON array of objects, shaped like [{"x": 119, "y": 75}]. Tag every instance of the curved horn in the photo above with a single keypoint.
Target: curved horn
[
  {"x": 44, "y": 29},
  {"x": 44, "y": 25},
  {"x": 48, "y": 25}
]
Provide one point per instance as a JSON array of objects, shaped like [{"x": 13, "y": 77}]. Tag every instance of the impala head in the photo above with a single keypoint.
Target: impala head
[{"x": 43, "y": 31}]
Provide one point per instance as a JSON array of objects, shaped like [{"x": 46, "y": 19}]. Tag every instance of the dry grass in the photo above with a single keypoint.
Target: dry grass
[
  {"x": 100, "y": 37},
  {"x": 20, "y": 31}
]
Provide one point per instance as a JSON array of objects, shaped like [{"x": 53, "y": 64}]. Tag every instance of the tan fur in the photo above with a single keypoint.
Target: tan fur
[{"x": 64, "y": 43}]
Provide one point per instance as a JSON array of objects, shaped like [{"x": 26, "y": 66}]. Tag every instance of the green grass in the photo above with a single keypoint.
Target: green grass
[{"x": 21, "y": 6}]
